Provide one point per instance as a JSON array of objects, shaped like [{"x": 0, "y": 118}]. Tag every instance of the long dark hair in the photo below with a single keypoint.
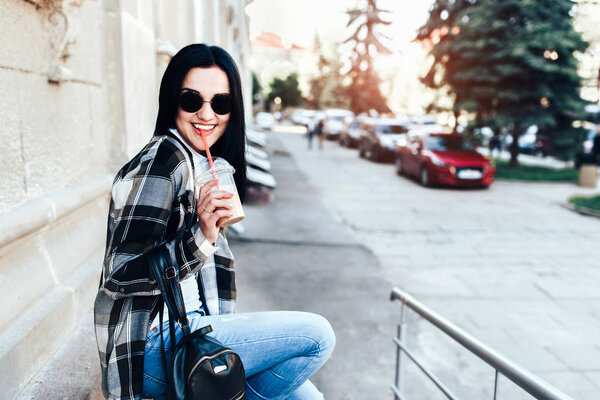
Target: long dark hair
[{"x": 232, "y": 145}]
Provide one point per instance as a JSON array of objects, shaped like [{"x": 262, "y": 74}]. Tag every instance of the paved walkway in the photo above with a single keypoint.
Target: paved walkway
[
  {"x": 508, "y": 264},
  {"x": 295, "y": 255}
]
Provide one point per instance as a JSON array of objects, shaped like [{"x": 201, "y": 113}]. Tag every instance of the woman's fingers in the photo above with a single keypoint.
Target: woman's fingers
[
  {"x": 204, "y": 189},
  {"x": 218, "y": 215},
  {"x": 214, "y": 199},
  {"x": 214, "y": 204},
  {"x": 213, "y": 209}
]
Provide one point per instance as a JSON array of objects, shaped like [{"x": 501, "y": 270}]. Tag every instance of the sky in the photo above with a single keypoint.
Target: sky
[{"x": 298, "y": 20}]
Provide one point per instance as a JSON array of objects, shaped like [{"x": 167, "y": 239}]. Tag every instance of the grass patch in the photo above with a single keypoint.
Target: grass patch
[
  {"x": 591, "y": 203},
  {"x": 534, "y": 173}
]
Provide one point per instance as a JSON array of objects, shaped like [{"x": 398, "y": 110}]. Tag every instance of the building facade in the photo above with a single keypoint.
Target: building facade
[{"x": 80, "y": 85}]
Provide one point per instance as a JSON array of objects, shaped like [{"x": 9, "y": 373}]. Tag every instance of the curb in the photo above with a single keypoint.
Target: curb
[{"x": 581, "y": 210}]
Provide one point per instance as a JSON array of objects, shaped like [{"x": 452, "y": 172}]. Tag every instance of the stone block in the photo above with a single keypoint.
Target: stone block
[
  {"x": 23, "y": 266},
  {"x": 41, "y": 262},
  {"x": 29, "y": 342},
  {"x": 13, "y": 178},
  {"x": 25, "y": 45},
  {"x": 138, "y": 76},
  {"x": 57, "y": 138},
  {"x": 85, "y": 54},
  {"x": 75, "y": 238}
]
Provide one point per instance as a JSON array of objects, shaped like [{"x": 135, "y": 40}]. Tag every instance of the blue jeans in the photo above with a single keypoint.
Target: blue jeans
[{"x": 280, "y": 350}]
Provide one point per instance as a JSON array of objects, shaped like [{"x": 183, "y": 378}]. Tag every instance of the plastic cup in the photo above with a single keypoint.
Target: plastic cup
[{"x": 224, "y": 173}]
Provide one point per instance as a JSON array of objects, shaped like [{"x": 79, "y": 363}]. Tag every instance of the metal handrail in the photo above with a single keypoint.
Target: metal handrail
[{"x": 523, "y": 378}]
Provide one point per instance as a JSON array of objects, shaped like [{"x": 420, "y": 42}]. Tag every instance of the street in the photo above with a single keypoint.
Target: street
[{"x": 508, "y": 264}]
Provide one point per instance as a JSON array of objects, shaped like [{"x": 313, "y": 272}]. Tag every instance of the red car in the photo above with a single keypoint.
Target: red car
[{"x": 444, "y": 159}]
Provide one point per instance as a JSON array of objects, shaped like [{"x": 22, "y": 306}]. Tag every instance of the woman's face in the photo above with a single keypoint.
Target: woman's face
[{"x": 207, "y": 82}]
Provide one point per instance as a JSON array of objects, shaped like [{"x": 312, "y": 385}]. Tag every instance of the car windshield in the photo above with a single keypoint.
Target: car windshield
[
  {"x": 394, "y": 129},
  {"x": 354, "y": 124},
  {"x": 337, "y": 118},
  {"x": 440, "y": 143}
]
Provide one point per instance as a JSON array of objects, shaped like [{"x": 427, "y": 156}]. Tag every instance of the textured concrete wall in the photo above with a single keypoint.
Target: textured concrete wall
[
  {"x": 80, "y": 84},
  {"x": 54, "y": 132}
]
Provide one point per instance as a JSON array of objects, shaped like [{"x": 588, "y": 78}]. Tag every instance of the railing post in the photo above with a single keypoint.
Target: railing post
[{"x": 401, "y": 336}]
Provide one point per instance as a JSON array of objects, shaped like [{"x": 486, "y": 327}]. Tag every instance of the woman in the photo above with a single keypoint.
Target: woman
[{"x": 154, "y": 205}]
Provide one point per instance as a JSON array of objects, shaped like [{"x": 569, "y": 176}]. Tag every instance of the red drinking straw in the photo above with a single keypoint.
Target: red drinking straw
[{"x": 210, "y": 160}]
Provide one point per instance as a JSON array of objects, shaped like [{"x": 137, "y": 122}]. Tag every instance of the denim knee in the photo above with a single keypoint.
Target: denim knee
[{"x": 319, "y": 329}]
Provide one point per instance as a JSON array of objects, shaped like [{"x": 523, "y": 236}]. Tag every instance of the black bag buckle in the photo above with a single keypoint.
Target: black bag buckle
[{"x": 170, "y": 272}]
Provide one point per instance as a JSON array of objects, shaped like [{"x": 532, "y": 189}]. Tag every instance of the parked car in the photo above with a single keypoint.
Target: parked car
[
  {"x": 334, "y": 122},
  {"x": 378, "y": 138},
  {"x": 302, "y": 116},
  {"x": 264, "y": 120},
  {"x": 531, "y": 142},
  {"x": 419, "y": 130},
  {"x": 348, "y": 136},
  {"x": 444, "y": 159}
]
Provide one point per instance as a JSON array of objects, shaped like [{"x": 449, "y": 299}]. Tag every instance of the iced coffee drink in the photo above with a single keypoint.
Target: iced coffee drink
[{"x": 224, "y": 174}]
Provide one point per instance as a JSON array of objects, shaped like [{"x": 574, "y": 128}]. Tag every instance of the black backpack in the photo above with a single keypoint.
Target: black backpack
[{"x": 202, "y": 368}]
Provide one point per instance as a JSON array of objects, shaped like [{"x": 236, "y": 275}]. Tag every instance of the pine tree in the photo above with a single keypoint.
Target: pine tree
[
  {"x": 511, "y": 61},
  {"x": 364, "y": 92},
  {"x": 327, "y": 88}
]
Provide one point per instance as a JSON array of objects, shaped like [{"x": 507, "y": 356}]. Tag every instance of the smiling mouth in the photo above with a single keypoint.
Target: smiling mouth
[{"x": 206, "y": 129}]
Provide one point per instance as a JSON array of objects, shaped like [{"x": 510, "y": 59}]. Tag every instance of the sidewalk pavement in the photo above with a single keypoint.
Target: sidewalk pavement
[{"x": 293, "y": 255}]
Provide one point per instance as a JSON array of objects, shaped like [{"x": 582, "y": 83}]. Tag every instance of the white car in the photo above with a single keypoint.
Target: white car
[
  {"x": 334, "y": 121},
  {"x": 264, "y": 120},
  {"x": 303, "y": 117}
]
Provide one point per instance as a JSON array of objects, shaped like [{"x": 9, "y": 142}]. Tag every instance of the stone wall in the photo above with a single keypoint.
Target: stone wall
[{"x": 80, "y": 83}]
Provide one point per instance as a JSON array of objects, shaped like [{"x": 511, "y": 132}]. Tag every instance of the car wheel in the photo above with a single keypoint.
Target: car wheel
[
  {"x": 424, "y": 175},
  {"x": 361, "y": 151},
  {"x": 399, "y": 167},
  {"x": 373, "y": 154}
]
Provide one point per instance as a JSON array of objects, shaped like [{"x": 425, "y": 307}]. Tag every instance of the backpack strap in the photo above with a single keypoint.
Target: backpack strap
[{"x": 167, "y": 280}]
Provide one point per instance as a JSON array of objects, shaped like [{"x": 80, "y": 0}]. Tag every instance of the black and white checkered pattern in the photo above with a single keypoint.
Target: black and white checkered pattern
[{"x": 152, "y": 205}]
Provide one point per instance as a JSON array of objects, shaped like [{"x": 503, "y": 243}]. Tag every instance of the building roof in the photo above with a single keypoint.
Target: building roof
[{"x": 273, "y": 40}]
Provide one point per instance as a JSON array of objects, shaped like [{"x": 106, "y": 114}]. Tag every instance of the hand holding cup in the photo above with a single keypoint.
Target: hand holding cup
[{"x": 213, "y": 209}]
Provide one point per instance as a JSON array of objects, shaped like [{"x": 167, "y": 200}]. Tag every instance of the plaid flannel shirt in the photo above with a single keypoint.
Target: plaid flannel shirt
[{"x": 153, "y": 204}]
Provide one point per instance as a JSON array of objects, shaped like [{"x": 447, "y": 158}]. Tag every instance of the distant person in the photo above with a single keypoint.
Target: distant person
[
  {"x": 320, "y": 134},
  {"x": 596, "y": 146},
  {"x": 495, "y": 145},
  {"x": 310, "y": 132}
]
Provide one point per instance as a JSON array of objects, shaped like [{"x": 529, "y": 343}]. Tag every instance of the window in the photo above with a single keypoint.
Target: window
[
  {"x": 392, "y": 129},
  {"x": 450, "y": 142}
]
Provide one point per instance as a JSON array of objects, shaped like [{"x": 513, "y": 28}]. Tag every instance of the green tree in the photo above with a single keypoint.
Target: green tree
[
  {"x": 364, "y": 92},
  {"x": 509, "y": 61},
  {"x": 287, "y": 90},
  {"x": 256, "y": 89},
  {"x": 326, "y": 88}
]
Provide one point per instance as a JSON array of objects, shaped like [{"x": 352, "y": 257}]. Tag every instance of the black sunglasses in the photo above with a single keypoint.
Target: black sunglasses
[{"x": 191, "y": 102}]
